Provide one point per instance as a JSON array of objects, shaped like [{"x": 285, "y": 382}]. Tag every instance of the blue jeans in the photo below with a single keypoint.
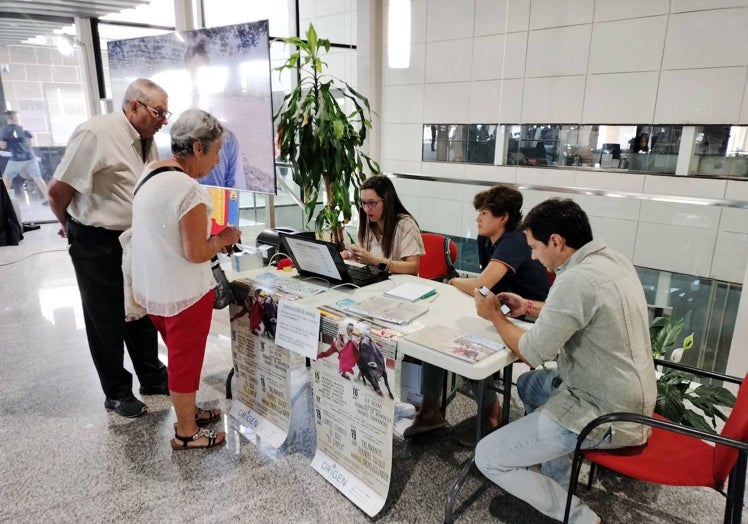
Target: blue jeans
[{"x": 505, "y": 456}]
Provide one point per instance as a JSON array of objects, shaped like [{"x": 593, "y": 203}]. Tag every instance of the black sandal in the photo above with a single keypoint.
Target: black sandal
[
  {"x": 210, "y": 435},
  {"x": 213, "y": 414}
]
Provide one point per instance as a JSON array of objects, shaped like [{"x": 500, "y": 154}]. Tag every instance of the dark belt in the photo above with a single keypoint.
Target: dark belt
[{"x": 94, "y": 229}]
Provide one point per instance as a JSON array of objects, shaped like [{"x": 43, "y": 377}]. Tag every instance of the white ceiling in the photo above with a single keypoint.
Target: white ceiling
[{"x": 23, "y": 19}]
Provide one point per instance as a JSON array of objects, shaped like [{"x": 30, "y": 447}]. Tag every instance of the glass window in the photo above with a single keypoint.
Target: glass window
[
  {"x": 610, "y": 147},
  {"x": 445, "y": 142},
  {"x": 720, "y": 150},
  {"x": 229, "y": 12},
  {"x": 155, "y": 12}
]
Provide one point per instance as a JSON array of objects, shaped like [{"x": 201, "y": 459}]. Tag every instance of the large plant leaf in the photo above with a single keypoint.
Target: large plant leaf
[
  {"x": 669, "y": 402},
  {"x": 695, "y": 420}
]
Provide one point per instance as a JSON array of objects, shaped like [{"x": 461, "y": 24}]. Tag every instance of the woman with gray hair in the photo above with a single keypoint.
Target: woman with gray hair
[{"x": 171, "y": 275}]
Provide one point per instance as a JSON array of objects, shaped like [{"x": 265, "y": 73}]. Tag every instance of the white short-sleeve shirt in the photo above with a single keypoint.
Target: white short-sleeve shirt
[{"x": 164, "y": 282}]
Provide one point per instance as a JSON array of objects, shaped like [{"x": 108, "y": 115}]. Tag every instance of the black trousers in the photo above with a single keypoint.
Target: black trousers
[{"x": 97, "y": 258}]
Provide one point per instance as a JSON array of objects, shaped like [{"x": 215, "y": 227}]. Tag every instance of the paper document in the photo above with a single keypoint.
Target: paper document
[
  {"x": 388, "y": 310},
  {"x": 456, "y": 343},
  {"x": 411, "y": 291}
]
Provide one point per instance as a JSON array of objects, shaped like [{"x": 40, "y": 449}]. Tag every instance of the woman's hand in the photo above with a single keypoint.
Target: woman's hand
[
  {"x": 227, "y": 238},
  {"x": 362, "y": 256}
]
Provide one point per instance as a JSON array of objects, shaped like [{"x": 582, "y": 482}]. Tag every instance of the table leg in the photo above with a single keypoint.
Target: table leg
[
  {"x": 506, "y": 376},
  {"x": 452, "y": 495}
]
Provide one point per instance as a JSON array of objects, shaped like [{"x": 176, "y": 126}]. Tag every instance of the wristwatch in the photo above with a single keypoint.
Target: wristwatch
[{"x": 382, "y": 266}]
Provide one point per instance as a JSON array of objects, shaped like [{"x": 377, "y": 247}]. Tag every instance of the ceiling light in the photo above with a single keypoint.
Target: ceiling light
[{"x": 398, "y": 41}]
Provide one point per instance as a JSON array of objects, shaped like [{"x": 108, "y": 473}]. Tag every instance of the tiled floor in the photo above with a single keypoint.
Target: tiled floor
[{"x": 66, "y": 459}]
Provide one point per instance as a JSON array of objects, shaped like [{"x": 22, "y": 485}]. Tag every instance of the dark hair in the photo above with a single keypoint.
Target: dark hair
[
  {"x": 562, "y": 217},
  {"x": 393, "y": 208},
  {"x": 501, "y": 199}
]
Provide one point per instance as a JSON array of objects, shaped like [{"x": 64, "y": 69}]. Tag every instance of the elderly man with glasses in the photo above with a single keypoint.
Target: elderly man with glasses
[{"x": 91, "y": 195}]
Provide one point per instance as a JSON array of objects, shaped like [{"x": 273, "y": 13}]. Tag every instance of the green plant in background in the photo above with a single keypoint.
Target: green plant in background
[
  {"x": 322, "y": 142},
  {"x": 674, "y": 389}
]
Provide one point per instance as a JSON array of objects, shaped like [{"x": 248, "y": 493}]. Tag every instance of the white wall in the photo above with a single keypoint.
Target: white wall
[{"x": 588, "y": 61}]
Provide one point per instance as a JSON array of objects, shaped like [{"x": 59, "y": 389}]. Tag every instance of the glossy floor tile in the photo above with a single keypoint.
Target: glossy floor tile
[{"x": 66, "y": 459}]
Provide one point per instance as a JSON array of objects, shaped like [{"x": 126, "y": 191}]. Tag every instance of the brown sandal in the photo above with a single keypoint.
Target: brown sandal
[
  {"x": 214, "y": 439},
  {"x": 201, "y": 419}
]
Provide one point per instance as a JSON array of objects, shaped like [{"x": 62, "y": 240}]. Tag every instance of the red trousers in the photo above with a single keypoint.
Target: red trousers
[{"x": 185, "y": 335}]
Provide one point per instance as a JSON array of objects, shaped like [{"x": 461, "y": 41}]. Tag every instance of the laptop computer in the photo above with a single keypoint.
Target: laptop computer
[{"x": 321, "y": 259}]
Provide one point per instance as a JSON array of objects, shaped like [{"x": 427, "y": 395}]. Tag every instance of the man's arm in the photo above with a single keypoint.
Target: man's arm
[
  {"x": 488, "y": 308},
  {"x": 489, "y": 277},
  {"x": 60, "y": 195}
]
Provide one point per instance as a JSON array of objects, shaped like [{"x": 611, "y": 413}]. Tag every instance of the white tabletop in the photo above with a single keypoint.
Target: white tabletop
[{"x": 450, "y": 307}]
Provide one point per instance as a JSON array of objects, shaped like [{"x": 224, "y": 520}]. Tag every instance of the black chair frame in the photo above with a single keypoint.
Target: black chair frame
[{"x": 736, "y": 481}]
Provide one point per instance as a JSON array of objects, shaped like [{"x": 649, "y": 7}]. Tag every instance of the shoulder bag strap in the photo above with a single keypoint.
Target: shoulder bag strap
[{"x": 155, "y": 172}]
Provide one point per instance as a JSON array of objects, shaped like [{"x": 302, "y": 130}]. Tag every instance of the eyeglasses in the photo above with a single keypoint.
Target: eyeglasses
[
  {"x": 155, "y": 112},
  {"x": 369, "y": 204}
]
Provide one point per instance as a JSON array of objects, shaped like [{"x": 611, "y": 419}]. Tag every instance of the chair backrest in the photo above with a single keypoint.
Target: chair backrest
[
  {"x": 736, "y": 427},
  {"x": 441, "y": 253}
]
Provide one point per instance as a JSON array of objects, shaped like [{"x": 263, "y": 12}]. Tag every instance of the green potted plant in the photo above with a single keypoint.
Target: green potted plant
[
  {"x": 676, "y": 394},
  {"x": 320, "y": 140}
]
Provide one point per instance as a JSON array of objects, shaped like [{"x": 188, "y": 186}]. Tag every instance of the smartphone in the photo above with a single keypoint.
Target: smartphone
[{"x": 483, "y": 290}]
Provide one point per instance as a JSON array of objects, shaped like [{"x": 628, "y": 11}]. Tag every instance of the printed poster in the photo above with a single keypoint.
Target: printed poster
[
  {"x": 353, "y": 380},
  {"x": 262, "y": 400},
  {"x": 225, "y": 208}
]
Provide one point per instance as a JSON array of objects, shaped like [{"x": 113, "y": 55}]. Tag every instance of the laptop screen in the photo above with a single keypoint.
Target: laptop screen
[{"x": 313, "y": 257}]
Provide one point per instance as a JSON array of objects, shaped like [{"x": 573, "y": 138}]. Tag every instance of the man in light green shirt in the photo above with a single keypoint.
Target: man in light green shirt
[{"x": 594, "y": 324}]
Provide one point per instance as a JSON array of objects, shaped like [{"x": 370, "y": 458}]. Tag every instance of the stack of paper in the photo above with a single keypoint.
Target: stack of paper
[{"x": 411, "y": 291}]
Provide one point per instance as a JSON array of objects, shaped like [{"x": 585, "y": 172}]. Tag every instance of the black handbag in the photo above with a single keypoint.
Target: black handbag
[{"x": 224, "y": 295}]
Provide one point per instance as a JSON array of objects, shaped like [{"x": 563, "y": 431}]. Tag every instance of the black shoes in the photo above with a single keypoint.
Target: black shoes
[
  {"x": 158, "y": 389},
  {"x": 129, "y": 406}
]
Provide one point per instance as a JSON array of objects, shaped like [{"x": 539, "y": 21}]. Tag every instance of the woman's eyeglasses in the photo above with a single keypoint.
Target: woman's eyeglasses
[
  {"x": 369, "y": 204},
  {"x": 155, "y": 112}
]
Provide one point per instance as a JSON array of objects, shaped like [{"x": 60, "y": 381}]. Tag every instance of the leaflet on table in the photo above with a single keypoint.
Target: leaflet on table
[
  {"x": 411, "y": 291},
  {"x": 456, "y": 343},
  {"x": 386, "y": 337},
  {"x": 388, "y": 310},
  {"x": 353, "y": 384},
  {"x": 263, "y": 369}
]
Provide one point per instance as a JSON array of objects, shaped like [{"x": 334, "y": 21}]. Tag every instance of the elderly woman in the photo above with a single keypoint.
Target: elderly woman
[{"x": 171, "y": 275}]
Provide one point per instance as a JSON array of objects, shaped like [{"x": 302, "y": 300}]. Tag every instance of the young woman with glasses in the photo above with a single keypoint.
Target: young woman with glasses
[{"x": 388, "y": 236}]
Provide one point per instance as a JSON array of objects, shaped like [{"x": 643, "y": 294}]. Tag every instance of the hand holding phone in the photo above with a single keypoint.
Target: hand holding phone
[{"x": 483, "y": 290}]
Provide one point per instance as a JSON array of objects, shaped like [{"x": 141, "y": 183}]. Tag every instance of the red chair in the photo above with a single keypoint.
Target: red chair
[
  {"x": 678, "y": 455},
  {"x": 441, "y": 254}
]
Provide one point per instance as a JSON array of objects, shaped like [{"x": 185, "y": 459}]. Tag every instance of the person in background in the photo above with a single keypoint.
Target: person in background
[
  {"x": 507, "y": 265},
  {"x": 171, "y": 271},
  {"x": 22, "y": 161},
  {"x": 594, "y": 324},
  {"x": 229, "y": 164},
  {"x": 389, "y": 237},
  {"x": 91, "y": 196}
]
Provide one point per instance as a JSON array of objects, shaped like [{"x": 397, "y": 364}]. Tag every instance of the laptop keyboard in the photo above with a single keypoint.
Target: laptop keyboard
[{"x": 363, "y": 276}]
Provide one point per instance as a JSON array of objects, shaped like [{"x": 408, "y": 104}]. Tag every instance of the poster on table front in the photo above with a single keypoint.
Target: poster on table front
[
  {"x": 222, "y": 70},
  {"x": 262, "y": 397},
  {"x": 353, "y": 381}
]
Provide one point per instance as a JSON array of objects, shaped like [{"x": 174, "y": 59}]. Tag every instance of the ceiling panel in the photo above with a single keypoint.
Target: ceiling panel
[{"x": 21, "y": 20}]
